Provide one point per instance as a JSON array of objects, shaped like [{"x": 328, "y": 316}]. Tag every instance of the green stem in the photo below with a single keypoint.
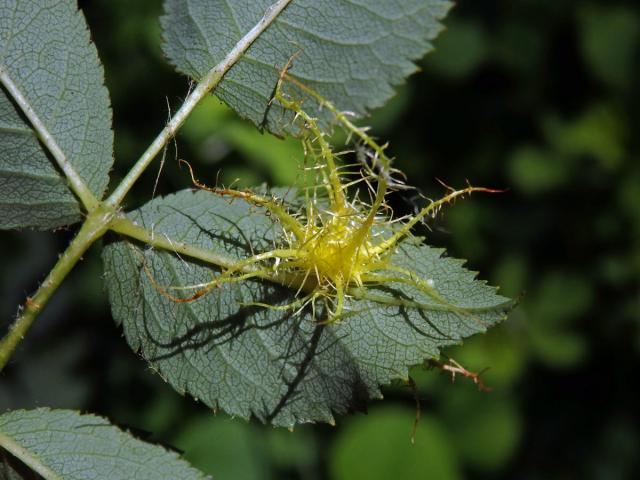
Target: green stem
[
  {"x": 73, "y": 178},
  {"x": 93, "y": 228},
  {"x": 29, "y": 459},
  {"x": 208, "y": 83},
  {"x": 126, "y": 227}
]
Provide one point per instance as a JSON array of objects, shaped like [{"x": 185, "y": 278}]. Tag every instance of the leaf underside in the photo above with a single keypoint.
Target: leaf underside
[
  {"x": 352, "y": 52},
  {"x": 46, "y": 51},
  {"x": 280, "y": 367},
  {"x": 83, "y": 447}
]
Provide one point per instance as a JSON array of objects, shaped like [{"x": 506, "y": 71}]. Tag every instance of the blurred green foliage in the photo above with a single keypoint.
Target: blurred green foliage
[
  {"x": 536, "y": 96},
  {"x": 379, "y": 449}
]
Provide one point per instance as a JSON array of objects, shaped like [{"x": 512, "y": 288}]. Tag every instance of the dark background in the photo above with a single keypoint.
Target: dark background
[{"x": 537, "y": 96}]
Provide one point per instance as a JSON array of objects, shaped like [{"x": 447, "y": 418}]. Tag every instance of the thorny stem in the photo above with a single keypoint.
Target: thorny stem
[
  {"x": 93, "y": 228},
  {"x": 208, "y": 83}
]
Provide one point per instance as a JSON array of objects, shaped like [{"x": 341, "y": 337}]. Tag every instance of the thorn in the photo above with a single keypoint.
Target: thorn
[{"x": 454, "y": 368}]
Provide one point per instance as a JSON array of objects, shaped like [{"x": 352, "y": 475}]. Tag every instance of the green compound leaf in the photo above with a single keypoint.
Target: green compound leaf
[
  {"x": 281, "y": 366},
  {"x": 63, "y": 444},
  {"x": 47, "y": 55},
  {"x": 352, "y": 52}
]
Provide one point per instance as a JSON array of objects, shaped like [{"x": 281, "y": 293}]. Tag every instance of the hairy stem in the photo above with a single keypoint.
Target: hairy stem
[
  {"x": 77, "y": 185},
  {"x": 342, "y": 118},
  {"x": 430, "y": 209},
  {"x": 208, "y": 83},
  {"x": 93, "y": 228}
]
